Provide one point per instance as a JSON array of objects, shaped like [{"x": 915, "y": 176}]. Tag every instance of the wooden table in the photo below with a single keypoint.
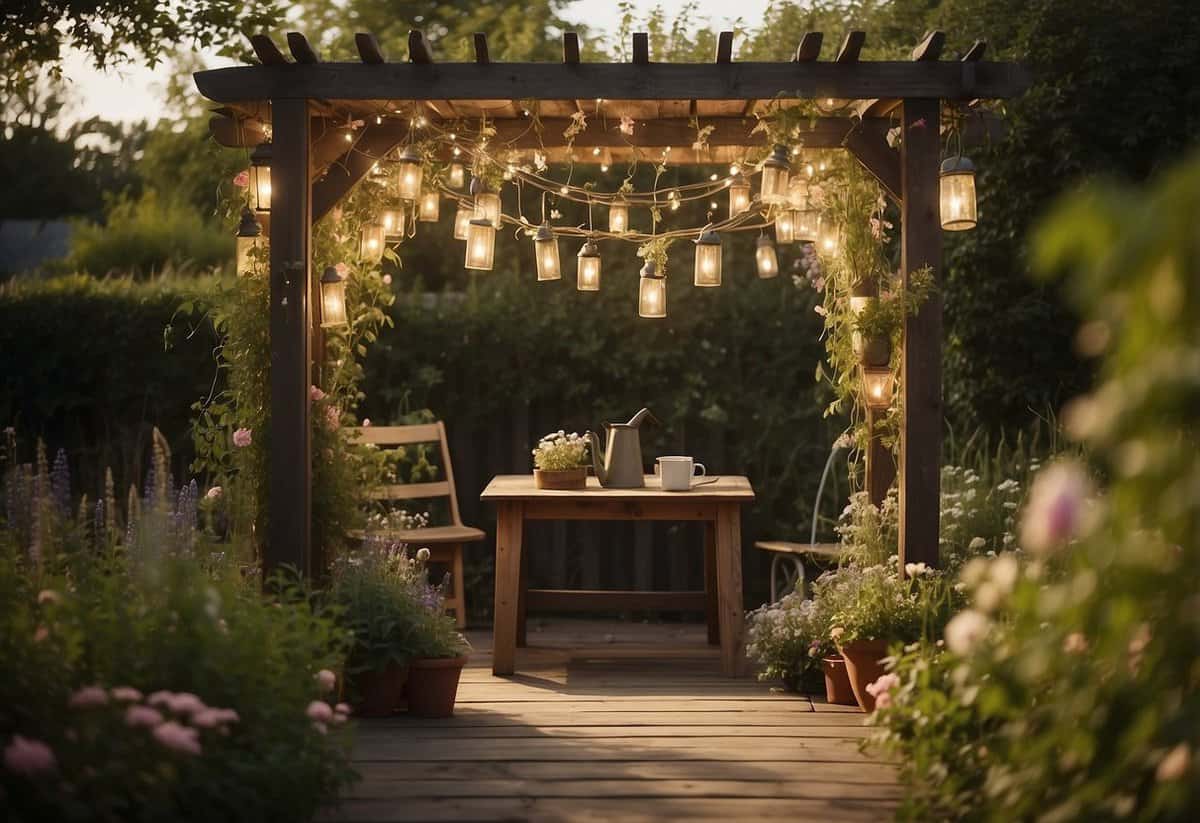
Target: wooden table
[{"x": 717, "y": 504}]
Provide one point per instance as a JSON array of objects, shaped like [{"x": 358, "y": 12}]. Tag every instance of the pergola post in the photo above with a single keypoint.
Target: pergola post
[
  {"x": 289, "y": 480},
  {"x": 921, "y": 371},
  {"x": 881, "y": 465}
]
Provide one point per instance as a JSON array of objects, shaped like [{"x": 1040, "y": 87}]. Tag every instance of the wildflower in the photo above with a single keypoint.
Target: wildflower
[
  {"x": 88, "y": 697},
  {"x": 48, "y": 596},
  {"x": 127, "y": 694},
  {"x": 423, "y": 554},
  {"x": 142, "y": 716},
  {"x": 1004, "y": 571},
  {"x": 342, "y": 708},
  {"x": 821, "y": 310},
  {"x": 342, "y": 269},
  {"x": 214, "y": 718},
  {"x": 1175, "y": 764},
  {"x": 28, "y": 757},
  {"x": 177, "y": 737},
  {"x": 1075, "y": 643},
  {"x": 965, "y": 630},
  {"x": 326, "y": 680},
  {"x": 366, "y": 422},
  {"x": 242, "y": 438},
  {"x": 315, "y": 394},
  {"x": 387, "y": 280},
  {"x": 1055, "y": 512},
  {"x": 319, "y": 711},
  {"x": 915, "y": 569},
  {"x": 976, "y": 544},
  {"x": 242, "y": 179},
  {"x": 626, "y": 124},
  {"x": 333, "y": 418}
]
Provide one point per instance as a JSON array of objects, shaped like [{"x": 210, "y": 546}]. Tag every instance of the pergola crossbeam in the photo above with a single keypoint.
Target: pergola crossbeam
[
  {"x": 809, "y": 48},
  {"x": 570, "y": 47},
  {"x": 851, "y": 47},
  {"x": 482, "y": 57},
  {"x": 301, "y": 49},
  {"x": 368, "y": 49},
  {"x": 419, "y": 50},
  {"x": 266, "y": 51}
]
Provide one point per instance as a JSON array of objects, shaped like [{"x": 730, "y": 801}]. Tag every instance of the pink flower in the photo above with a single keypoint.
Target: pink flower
[
  {"x": 214, "y": 493},
  {"x": 319, "y": 710},
  {"x": 342, "y": 708},
  {"x": 1175, "y": 764},
  {"x": 88, "y": 697},
  {"x": 186, "y": 703},
  {"x": 177, "y": 737},
  {"x": 242, "y": 179},
  {"x": 127, "y": 694},
  {"x": 387, "y": 280},
  {"x": 884, "y": 684},
  {"x": 326, "y": 680},
  {"x": 626, "y": 125},
  {"x": 338, "y": 719},
  {"x": 48, "y": 596},
  {"x": 212, "y": 718},
  {"x": 333, "y": 418},
  {"x": 242, "y": 438},
  {"x": 28, "y": 757},
  {"x": 315, "y": 393},
  {"x": 1055, "y": 512},
  {"x": 342, "y": 269},
  {"x": 883, "y": 701},
  {"x": 142, "y": 716},
  {"x": 1075, "y": 643},
  {"x": 366, "y": 422}
]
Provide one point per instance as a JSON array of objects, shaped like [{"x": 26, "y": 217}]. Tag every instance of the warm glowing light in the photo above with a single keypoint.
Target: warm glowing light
[
  {"x": 957, "y": 194},
  {"x": 739, "y": 194},
  {"x": 618, "y": 216},
  {"x": 878, "y": 385},
  {"x": 587, "y": 275},
  {"x": 370, "y": 246},
  {"x": 829, "y": 237},
  {"x": 798, "y": 191},
  {"x": 487, "y": 207},
  {"x": 481, "y": 245},
  {"x": 431, "y": 207},
  {"x": 462, "y": 220},
  {"x": 708, "y": 259},
  {"x": 260, "y": 178},
  {"x": 652, "y": 292},
  {"x": 805, "y": 224},
  {"x": 333, "y": 299},
  {"x": 766, "y": 258},
  {"x": 409, "y": 174},
  {"x": 249, "y": 241},
  {"x": 775, "y": 171},
  {"x": 456, "y": 175},
  {"x": 392, "y": 221},
  {"x": 545, "y": 252}
]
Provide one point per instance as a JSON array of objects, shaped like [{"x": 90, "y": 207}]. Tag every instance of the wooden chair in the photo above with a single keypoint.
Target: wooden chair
[
  {"x": 445, "y": 543},
  {"x": 785, "y": 580}
]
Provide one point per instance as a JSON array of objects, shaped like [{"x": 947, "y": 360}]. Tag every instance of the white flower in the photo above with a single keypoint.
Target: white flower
[
  {"x": 1005, "y": 570},
  {"x": 965, "y": 630},
  {"x": 1055, "y": 512},
  {"x": 1175, "y": 764},
  {"x": 915, "y": 569},
  {"x": 976, "y": 544},
  {"x": 423, "y": 554}
]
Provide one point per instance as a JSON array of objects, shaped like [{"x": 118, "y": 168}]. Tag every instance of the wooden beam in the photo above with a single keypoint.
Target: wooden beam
[
  {"x": 267, "y": 52},
  {"x": 620, "y": 81},
  {"x": 343, "y": 175},
  {"x": 570, "y": 47},
  {"x": 641, "y": 56},
  {"x": 869, "y": 146},
  {"x": 299, "y": 46},
  {"x": 329, "y": 142},
  {"x": 419, "y": 50},
  {"x": 482, "y": 57},
  {"x": 975, "y": 53},
  {"x": 236, "y": 132},
  {"x": 851, "y": 47},
  {"x": 725, "y": 47},
  {"x": 368, "y": 49},
  {"x": 289, "y": 517},
  {"x": 881, "y": 463},
  {"x": 809, "y": 48},
  {"x": 921, "y": 372},
  {"x": 930, "y": 47}
]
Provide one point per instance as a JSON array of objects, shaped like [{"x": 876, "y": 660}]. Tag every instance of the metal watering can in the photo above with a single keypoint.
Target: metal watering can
[{"x": 621, "y": 465}]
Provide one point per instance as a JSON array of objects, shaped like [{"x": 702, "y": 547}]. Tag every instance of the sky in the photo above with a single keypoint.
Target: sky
[{"x": 136, "y": 93}]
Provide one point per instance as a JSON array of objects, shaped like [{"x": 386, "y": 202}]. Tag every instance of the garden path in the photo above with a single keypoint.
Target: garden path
[{"x": 618, "y": 721}]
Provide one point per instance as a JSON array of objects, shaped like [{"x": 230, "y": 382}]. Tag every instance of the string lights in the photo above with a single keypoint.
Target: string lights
[{"x": 652, "y": 292}]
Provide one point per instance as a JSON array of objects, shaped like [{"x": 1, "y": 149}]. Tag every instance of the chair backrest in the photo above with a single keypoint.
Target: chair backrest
[{"x": 389, "y": 436}]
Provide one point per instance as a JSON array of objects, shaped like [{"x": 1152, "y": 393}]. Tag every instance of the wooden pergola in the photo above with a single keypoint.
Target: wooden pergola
[{"x": 309, "y": 109}]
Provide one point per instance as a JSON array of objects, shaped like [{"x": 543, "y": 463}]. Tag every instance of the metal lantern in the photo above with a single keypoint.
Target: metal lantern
[
  {"x": 392, "y": 221},
  {"x": 957, "y": 194},
  {"x": 618, "y": 216},
  {"x": 798, "y": 191},
  {"x": 462, "y": 220},
  {"x": 481, "y": 245},
  {"x": 878, "y": 385},
  {"x": 766, "y": 258},
  {"x": 249, "y": 240},
  {"x": 739, "y": 194},
  {"x": 456, "y": 175},
  {"x": 370, "y": 246},
  {"x": 260, "y": 178},
  {"x": 775, "y": 171},
  {"x": 333, "y": 298},
  {"x": 806, "y": 223},
  {"x": 587, "y": 275},
  {"x": 652, "y": 292},
  {"x": 431, "y": 207},
  {"x": 785, "y": 227},
  {"x": 708, "y": 259},
  {"x": 409, "y": 174},
  {"x": 545, "y": 251},
  {"x": 487, "y": 207},
  {"x": 829, "y": 236}
]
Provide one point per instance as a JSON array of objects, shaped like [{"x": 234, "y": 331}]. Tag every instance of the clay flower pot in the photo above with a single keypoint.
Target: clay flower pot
[
  {"x": 863, "y": 667},
  {"x": 380, "y": 692},
  {"x": 837, "y": 682},
  {"x": 433, "y": 685},
  {"x": 561, "y": 479}
]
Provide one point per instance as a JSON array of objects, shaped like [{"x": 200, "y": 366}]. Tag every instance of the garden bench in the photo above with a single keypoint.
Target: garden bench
[
  {"x": 785, "y": 553},
  {"x": 445, "y": 543}
]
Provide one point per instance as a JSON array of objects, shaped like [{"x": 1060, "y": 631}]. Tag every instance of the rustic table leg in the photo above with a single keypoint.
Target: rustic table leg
[
  {"x": 522, "y": 587},
  {"x": 509, "y": 516},
  {"x": 712, "y": 607},
  {"x": 729, "y": 586}
]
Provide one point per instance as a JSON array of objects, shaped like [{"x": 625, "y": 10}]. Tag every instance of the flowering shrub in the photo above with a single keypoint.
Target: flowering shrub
[
  {"x": 789, "y": 638},
  {"x": 558, "y": 451}
]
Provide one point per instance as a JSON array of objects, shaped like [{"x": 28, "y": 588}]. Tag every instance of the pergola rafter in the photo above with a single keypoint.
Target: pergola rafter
[{"x": 309, "y": 107}]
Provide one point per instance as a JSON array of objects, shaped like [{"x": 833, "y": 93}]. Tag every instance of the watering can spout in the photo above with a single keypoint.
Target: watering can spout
[{"x": 644, "y": 414}]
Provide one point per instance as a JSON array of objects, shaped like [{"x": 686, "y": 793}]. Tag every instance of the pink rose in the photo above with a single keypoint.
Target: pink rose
[
  {"x": 142, "y": 716},
  {"x": 28, "y": 757},
  {"x": 214, "y": 718},
  {"x": 242, "y": 179},
  {"x": 319, "y": 711},
  {"x": 342, "y": 708},
  {"x": 242, "y": 438},
  {"x": 214, "y": 493},
  {"x": 315, "y": 393},
  {"x": 88, "y": 697},
  {"x": 1056, "y": 508},
  {"x": 326, "y": 680},
  {"x": 177, "y": 737},
  {"x": 883, "y": 684},
  {"x": 366, "y": 422},
  {"x": 333, "y": 418}
]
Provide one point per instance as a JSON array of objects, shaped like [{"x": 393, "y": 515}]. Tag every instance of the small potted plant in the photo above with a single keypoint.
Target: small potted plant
[
  {"x": 560, "y": 461},
  {"x": 439, "y": 654}
]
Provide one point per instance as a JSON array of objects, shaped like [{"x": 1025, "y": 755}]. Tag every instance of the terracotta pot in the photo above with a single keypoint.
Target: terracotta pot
[
  {"x": 863, "y": 667},
  {"x": 561, "y": 478},
  {"x": 837, "y": 682},
  {"x": 433, "y": 685},
  {"x": 380, "y": 693}
]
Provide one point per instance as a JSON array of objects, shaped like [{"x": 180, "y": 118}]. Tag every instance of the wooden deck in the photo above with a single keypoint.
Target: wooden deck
[{"x": 617, "y": 721}]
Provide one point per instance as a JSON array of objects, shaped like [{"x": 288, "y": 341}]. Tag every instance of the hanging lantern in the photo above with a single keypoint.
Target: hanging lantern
[
  {"x": 785, "y": 227},
  {"x": 462, "y": 220},
  {"x": 487, "y": 204},
  {"x": 392, "y": 221},
  {"x": 878, "y": 385},
  {"x": 408, "y": 175},
  {"x": 708, "y": 259},
  {"x": 806, "y": 224},
  {"x": 957, "y": 194},
  {"x": 249, "y": 240},
  {"x": 545, "y": 251},
  {"x": 618, "y": 216},
  {"x": 370, "y": 246},
  {"x": 766, "y": 258},
  {"x": 829, "y": 236},
  {"x": 431, "y": 207},
  {"x": 456, "y": 175},
  {"x": 481, "y": 245},
  {"x": 739, "y": 194},
  {"x": 333, "y": 298},
  {"x": 260, "y": 178},
  {"x": 587, "y": 276},
  {"x": 775, "y": 171},
  {"x": 652, "y": 292},
  {"x": 797, "y": 191}
]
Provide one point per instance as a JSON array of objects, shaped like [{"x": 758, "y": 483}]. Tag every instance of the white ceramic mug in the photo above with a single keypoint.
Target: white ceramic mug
[{"x": 677, "y": 473}]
